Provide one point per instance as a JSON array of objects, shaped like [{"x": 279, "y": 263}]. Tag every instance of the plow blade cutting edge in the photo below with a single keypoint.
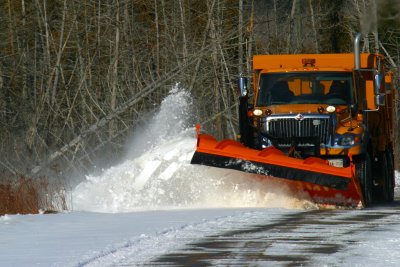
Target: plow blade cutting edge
[{"x": 323, "y": 183}]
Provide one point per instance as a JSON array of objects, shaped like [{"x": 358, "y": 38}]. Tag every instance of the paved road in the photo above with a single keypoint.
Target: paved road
[{"x": 304, "y": 238}]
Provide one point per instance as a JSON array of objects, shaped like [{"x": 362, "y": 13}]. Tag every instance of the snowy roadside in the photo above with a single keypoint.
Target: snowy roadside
[
  {"x": 141, "y": 249},
  {"x": 99, "y": 239},
  {"x": 135, "y": 238}
]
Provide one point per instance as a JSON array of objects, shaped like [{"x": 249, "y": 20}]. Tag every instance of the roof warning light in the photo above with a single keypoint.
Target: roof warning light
[{"x": 308, "y": 61}]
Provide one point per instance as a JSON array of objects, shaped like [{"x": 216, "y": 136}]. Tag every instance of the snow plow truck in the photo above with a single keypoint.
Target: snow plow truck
[{"x": 319, "y": 124}]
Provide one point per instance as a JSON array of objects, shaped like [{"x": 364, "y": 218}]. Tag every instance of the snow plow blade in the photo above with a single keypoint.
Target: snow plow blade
[{"x": 323, "y": 183}]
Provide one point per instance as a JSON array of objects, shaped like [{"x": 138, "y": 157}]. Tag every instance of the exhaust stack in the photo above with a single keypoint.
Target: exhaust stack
[{"x": 357, "y": 41}]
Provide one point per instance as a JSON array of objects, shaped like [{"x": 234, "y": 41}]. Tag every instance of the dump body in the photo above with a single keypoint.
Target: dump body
[{"x": 315, "y": 120}]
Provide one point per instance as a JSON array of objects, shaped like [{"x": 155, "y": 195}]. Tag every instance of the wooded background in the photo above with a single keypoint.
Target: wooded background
[{"x": 77, "y": 76}]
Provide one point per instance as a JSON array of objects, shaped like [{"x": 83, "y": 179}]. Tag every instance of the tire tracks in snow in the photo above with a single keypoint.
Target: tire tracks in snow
[{"x": 317, "y": 237}]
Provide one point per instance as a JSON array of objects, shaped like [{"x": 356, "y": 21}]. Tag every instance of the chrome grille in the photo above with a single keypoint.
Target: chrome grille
[{"x": 310, "y": 129}]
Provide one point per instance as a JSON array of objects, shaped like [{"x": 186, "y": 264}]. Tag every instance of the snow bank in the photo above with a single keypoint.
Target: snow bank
[{"x": 158, "y": 174}]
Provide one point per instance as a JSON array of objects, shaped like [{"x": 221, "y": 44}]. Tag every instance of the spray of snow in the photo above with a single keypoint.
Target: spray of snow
[
  {"x": 158, "y": 173},
  {"x": 397, "y": 184}
]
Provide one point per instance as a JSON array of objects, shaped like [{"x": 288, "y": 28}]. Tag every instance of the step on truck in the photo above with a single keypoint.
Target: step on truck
[{"x": 319, "y": 124}]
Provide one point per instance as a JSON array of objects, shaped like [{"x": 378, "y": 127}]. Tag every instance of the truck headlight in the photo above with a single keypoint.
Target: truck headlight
[
  {"x": 257, "y": 112},
  {"x": 347, "y": 139}
]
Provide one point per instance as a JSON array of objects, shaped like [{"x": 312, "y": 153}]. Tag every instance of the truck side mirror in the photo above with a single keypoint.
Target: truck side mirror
[
  {"x": 379, "y": 79},
  {"x": 380, "y": 99},
  {"x": 243, "y": 86},
  {"x": 373, "y": 98},
  {"x": 378, "y": 84}
]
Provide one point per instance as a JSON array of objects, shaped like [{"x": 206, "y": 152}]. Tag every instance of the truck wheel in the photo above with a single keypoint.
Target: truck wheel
[
  {"x": 388, "y": 178},
  {"x": 364, "y": 174}
]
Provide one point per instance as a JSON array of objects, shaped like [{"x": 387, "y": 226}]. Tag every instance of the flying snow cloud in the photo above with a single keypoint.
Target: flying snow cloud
[{"x": 158, "y": 175}]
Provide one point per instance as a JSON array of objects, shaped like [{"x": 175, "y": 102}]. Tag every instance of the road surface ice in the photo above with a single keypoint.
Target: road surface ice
[{"x": 155, "y": 208}]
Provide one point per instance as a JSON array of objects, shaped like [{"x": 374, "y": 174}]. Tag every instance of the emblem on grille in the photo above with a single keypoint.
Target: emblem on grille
[
  {"x": 299, "y": 117},
  {"x": 316, "y": 122}
]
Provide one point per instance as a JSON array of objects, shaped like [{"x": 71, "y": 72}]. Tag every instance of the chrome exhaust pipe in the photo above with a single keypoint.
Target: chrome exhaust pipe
[{"x": 357, "y": 41}]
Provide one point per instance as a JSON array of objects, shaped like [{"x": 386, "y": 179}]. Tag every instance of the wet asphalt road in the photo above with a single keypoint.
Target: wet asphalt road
[{"x": 307, "y": 238}]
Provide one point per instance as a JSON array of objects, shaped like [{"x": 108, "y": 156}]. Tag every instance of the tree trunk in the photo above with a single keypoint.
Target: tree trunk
[
  {"x": 183, "y": 30},
  {"x": 289, "y": 42},
  {"x": 114, "y": 79},
  {"x": 157, "y": 55},
  {"x": 240, "y": 30},
  {"x": 313, "y": 26}
]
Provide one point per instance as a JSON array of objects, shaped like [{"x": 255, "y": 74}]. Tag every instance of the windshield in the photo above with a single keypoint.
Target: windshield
[{"x": 333, "y": 88}]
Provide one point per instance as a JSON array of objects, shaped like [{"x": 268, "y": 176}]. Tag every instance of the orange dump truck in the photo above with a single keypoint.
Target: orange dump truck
[{"x": 320, "y": 124}]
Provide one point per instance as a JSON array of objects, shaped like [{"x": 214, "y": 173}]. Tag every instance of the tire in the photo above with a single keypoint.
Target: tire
[
  {"x": 364, "y": 174},
  {"x": 388, "y": 178}
]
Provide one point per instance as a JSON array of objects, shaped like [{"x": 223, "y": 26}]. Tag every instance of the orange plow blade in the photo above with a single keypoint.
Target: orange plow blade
[{"x": 323, "y": 183}]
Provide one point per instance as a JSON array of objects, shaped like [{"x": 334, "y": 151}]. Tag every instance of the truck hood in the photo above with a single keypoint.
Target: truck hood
[{"x": 300, "y": 108}]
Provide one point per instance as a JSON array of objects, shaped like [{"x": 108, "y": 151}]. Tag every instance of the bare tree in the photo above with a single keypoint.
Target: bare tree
[{"x": 77, "y": 76}]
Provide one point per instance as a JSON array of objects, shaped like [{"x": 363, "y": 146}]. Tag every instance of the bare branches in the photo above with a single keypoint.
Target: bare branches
[
  {"x": 110, "y": 117},
  {"x": 77, "y": 76}
]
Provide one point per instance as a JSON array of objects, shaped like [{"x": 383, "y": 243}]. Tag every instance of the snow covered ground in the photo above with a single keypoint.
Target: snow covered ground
[
  {"x": 135, "y": 238},
  {"x": 156, "y": 203},
  {"x": 76, "y": 238}
]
